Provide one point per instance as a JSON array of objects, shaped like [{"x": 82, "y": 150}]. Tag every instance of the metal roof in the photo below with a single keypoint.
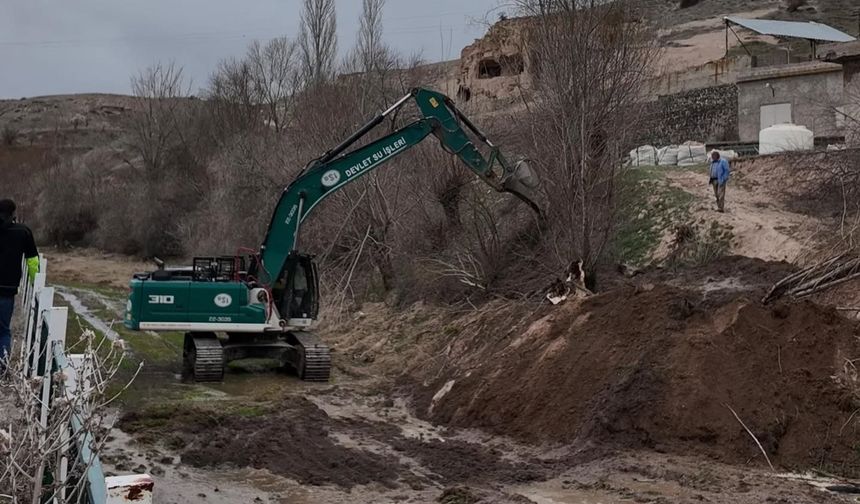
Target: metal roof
[{"x": 809, "y": 30}]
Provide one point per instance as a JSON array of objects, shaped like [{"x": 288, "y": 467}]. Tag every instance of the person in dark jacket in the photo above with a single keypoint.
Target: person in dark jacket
[{"x": 16, "y": 242}]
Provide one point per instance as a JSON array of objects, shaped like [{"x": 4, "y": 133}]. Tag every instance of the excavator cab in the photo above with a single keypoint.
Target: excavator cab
[{"x": 297, "y": 293}]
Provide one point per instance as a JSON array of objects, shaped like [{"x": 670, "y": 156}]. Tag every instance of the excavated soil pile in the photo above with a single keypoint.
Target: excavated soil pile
[
  {"x": 293, "y": 441},
  {"x": 662, "y": 368}
]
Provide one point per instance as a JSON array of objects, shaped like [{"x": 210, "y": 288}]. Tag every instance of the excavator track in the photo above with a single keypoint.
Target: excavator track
[
  {"x": 314, "y": 357},
  {"x": 204, "y": 357}
]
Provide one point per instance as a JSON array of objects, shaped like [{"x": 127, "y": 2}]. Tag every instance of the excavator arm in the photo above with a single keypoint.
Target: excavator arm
[
  {"x": 264, "y": 309},
  {"x": 336, "y": 168}
]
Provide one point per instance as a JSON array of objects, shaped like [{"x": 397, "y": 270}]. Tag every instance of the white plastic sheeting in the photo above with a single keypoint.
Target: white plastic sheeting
[
  {"x": 644, "y": 156},
  {"x": 692, "y": 153},
  {"x": 667, "y": 156},
  {"x": 785, "y": 138},
  {"x": 688, "y": 154}
]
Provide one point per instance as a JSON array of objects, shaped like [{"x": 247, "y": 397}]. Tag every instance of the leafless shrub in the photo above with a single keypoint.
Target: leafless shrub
[
  {"x": 9, "y": 135},
  {"x": 29, "y": 450},
  {"x": 694, "y": 245},
  {"x": 69, "y": 199},
  {"x": 256, "y": 92}
]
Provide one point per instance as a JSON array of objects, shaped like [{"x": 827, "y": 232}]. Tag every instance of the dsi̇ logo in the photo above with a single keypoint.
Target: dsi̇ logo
[
  {"x": 330, "y": 178},
  {"x": 223, "y": 300}
]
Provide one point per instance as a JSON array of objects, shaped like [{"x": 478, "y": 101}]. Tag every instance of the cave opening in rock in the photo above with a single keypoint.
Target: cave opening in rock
[
  {"x": 507, "y": 65},
  {"x": 489, "y": 68}
]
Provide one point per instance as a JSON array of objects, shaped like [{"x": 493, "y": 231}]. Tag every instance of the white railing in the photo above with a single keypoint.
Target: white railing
[{"x": 43, "y": 355}]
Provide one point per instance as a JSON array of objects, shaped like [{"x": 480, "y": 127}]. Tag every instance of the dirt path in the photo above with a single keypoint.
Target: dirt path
[{"x": 761, "y": 224}]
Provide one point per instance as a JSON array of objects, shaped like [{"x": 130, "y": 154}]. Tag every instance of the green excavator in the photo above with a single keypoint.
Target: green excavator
[{"x": 262, "y": 303}]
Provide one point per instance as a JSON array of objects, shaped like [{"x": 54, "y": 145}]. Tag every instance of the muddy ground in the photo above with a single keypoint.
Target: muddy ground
[
  {"x": 272, "y": 438},
  {"x": 337, "y": 444}
]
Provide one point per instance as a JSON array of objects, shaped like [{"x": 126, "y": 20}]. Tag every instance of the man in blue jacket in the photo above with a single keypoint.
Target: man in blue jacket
[
  {"x": 719, "y": 178},
  {"x": 16, "y": 243}
]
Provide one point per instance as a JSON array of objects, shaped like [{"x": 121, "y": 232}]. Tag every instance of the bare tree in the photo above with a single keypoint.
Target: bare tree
[
  {"x": 231, "y": 98},
  {"x": 318, "y": 40},
  {"x": 591, "y": 62},
  {"x": 158, "y": 106},
  {"x": 370, "y": 47},
  {"x": 258, "y": 90},
  {"x": 167, "y": 182},
  {"x": 378, "y": 77},
  {"x": 275, "y": 78}
]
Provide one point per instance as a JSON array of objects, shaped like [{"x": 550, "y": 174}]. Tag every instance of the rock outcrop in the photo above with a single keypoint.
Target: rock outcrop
[{"x": 496, "y": 65}]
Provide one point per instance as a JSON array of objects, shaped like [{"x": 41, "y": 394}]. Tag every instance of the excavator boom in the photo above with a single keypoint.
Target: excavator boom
[{"x": 335, "y": 168}]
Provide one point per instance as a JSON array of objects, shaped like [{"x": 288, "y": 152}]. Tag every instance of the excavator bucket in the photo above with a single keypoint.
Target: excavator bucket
[{"x": 522, "y": 182}]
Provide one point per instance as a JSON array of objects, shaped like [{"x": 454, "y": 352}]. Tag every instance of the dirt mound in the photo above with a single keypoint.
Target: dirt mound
[
  {"x": 662, "y": 368},
  {"x": 293, "y": 441}
]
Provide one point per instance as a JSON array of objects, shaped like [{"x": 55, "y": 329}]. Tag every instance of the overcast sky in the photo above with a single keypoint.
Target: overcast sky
[{"x": 77, "y": 46}]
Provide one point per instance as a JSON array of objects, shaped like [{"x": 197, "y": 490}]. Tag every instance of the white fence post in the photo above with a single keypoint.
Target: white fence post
[
  {"x": 44, "y": 303},
  {"x": 57, "y": 337},
  {"x": 40, "y": 367}
]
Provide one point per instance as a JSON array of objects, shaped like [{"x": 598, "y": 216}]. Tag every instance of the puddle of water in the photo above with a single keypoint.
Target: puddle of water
[
  {"x": 179, "y": 483},
  {"x": 85, "y": 313}
]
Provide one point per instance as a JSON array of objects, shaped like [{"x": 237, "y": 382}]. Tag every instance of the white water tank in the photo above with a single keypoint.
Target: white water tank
[{"x": 784, "y": 138}]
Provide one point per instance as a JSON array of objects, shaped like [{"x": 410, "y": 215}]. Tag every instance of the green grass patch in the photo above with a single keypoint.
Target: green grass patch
[
  {"x": 75, "y": 328},
  {"x": 648, "y": 208},
  {"x": 155, "y": 349}
]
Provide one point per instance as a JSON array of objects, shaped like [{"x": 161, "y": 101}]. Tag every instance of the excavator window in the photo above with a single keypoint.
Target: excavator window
[{"x": 299, "y": 289}]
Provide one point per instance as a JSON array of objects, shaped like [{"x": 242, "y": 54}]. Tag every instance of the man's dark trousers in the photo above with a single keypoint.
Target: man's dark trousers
[{"x": 7, "y": 303}]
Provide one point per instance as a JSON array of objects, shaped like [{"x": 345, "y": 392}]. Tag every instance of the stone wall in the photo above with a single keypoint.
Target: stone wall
[{"x": 703, "y": 115}]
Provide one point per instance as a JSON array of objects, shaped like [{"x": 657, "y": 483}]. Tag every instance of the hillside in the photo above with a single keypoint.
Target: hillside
[{"x": 841, "y": 14}]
